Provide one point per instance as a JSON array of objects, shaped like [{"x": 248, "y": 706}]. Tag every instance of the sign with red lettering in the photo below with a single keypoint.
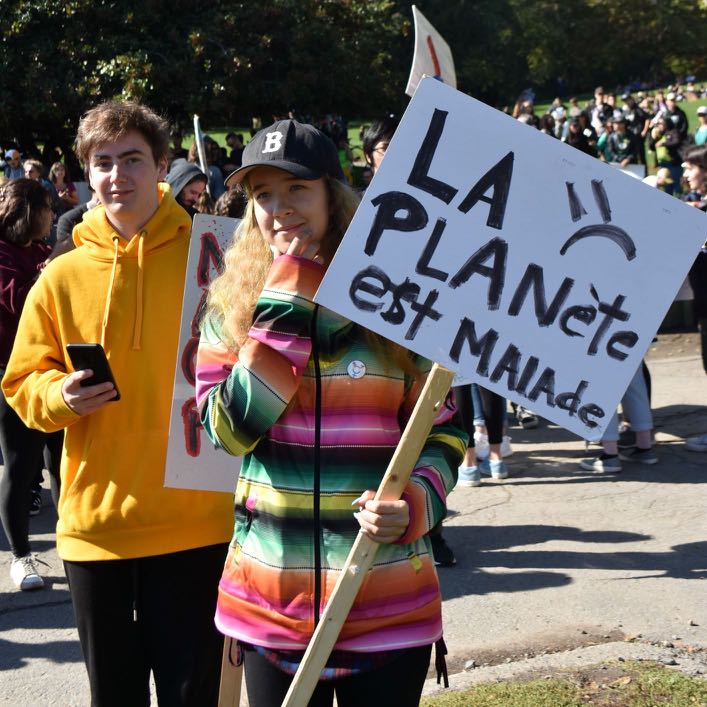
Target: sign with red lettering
[
  {"x": 192, "y": 461},
  {"x": 513, "y": 259}
]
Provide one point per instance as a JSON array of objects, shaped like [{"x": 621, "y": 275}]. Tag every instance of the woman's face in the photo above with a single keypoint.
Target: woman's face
[
  {"x": 59, "y": 172},
  {"x": 695, "y": 177},
  {"x": 31, "y": 172},
  {"x": 287, "y": 207}
]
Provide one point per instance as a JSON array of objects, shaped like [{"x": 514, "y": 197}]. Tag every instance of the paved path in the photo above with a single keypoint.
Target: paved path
[{"x": 550, "y": 560}]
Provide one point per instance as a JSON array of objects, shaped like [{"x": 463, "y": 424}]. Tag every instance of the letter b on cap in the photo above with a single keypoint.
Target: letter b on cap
[{"x": 273, "y": 141}]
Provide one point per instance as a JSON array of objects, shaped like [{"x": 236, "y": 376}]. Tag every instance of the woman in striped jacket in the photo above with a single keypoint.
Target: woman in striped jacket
[{"x": 316, "y": 405}]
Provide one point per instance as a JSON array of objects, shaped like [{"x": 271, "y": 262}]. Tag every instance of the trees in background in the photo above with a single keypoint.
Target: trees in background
[{"x": 229, "y": 60}]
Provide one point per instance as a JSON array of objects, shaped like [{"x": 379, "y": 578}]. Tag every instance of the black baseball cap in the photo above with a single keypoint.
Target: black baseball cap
[{"x": 297, "y": 148}]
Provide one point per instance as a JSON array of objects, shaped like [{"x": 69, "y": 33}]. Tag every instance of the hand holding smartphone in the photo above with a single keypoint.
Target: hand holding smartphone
[{"x": 92, "y": 356}]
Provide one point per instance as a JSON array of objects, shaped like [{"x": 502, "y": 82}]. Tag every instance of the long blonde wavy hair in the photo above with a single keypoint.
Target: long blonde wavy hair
[{"x": 234, "y": 294}]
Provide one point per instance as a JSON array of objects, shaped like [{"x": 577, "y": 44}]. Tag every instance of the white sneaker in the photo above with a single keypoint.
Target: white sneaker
[
  {"x": 481, "y": 445},
  {"x": 506, "y": 449},
  {"x": 23, "y": 572},
  {"x": 696, "y": 444}
]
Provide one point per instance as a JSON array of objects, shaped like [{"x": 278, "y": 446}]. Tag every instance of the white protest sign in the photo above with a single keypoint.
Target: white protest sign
[
  {"x": 432, "y": 56},
  {"x": 192, "y": 460},
  {"x": 517, "y": 261}
]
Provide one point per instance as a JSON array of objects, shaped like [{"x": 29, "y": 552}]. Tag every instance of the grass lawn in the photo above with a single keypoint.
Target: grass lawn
[{"x": 629, "y": 684}]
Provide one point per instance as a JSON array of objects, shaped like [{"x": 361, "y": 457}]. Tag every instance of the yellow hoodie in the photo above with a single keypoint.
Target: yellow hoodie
[{"x": 127, "y": 295}]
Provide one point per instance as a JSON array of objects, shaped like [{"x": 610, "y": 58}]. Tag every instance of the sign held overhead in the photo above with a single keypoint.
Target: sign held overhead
[{"x": 432, "y": 56}]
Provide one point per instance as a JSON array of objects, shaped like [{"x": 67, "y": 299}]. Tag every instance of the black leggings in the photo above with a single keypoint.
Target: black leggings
[
  {"x": 150, "y": 614},
  {"x": 24, "y": 452},
  {"x": 494, "y": 412},
  {"x": 398, "y": 683}
]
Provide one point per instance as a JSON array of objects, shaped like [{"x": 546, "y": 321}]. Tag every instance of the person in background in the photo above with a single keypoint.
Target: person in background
[
  {"x": 25, "y": 220},
  {"x": 235, "y": 156},
  {"x": 376, "y": 139},
  {"x": 188, "y": 183},
  {"x": 142, "y": 560},
  {"x": 695, "y": 175},
  {"x": 604, "y": 152},
  {"x": 637, "y": 123},
  {"x": 636, "y": 406},
  {"x": 231, "y": 203},
  {"x": 664, "y": 140},
  {"x": 623, "y": 144},
  {"x": 13, "y": 165},
  {"x": 66, "y": 190},
  {"x": 701, "y": 132}
]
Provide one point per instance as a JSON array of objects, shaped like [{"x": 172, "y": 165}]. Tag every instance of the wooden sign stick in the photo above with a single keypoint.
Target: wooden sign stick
[
  {"x": 229, "y": 694},
  {"x": 364, "y": 549}
]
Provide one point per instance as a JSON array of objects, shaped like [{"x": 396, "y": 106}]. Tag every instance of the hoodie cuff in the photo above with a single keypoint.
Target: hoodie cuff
[{"x": 58, "y": 412}]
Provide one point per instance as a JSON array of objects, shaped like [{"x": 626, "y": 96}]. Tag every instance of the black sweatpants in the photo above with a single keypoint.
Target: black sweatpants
[
  {"x": 398, "y": 683},
  {"x": 24, "y": 452},
  {"x": 150, "y": 614}
]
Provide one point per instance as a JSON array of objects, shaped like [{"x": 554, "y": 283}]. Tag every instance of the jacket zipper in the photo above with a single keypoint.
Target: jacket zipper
[{"x": 317, "y": 469}]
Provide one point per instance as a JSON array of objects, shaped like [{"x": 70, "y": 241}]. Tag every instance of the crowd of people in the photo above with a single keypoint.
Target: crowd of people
[
  {"x": 622, "y": 130},
  {"x": 281, "y": 381}
]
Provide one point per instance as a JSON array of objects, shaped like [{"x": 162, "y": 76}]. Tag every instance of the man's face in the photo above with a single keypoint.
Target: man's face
[
  {"x": 378, "y": 153},
  {"x": 189, "y": 196},
  {"x": 14, "y": 160},
  {"x": 124, "y": 177}
]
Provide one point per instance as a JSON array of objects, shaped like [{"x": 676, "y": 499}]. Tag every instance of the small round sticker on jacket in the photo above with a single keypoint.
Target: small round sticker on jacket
[{"x": 356, "y": 369}]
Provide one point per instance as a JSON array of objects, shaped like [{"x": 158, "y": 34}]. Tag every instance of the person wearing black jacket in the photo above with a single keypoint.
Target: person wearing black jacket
[{"x": 695, "y": 174}]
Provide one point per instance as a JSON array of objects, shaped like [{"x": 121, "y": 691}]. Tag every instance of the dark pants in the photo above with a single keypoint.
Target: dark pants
[
  {"x": 25, "y": 452},
  {"x": 702, "y": 324},
  {"x": 150, "y": 614},
  {"x": 494, "y": 412},
  {"x": 398, "y": 683}
]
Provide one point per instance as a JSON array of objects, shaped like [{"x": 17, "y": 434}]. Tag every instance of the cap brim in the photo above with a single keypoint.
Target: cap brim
[{"x": 295, "y": 169}]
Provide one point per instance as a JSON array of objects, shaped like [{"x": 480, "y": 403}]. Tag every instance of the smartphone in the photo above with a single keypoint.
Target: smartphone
[{"x": 94, "y": 357}]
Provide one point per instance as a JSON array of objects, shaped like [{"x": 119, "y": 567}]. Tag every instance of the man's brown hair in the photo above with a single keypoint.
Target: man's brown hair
[{"x": 112, "y": 120}]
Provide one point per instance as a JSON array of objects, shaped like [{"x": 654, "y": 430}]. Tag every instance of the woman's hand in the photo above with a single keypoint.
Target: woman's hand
[
  {"x": 382, "y": 521},
  {"x": 305, "y": 248}
]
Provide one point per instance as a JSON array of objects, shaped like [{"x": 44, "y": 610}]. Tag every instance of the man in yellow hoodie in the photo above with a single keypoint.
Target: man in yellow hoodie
[{"x": 143, "y": 561}]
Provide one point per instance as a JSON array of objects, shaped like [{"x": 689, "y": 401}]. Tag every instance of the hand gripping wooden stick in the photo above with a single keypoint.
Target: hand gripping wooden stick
[{"x": 364, "y": 549}]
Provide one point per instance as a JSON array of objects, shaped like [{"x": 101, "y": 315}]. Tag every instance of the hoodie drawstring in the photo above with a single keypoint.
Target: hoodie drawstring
[
  {"x": 109, "y": 294},
  {"x": 137, "y": 331}
]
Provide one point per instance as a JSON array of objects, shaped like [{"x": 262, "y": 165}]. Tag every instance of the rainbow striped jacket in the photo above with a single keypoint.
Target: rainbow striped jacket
[{"x": 317, "y": 414}]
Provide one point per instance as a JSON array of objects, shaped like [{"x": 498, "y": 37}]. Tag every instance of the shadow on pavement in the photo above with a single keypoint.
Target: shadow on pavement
[
  {"x": 16, "y": 655},
  {"x": 477, "y": 548}
]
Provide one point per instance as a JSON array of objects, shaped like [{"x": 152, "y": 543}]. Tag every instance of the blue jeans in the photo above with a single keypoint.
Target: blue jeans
[{"x": 637, "y": 407}]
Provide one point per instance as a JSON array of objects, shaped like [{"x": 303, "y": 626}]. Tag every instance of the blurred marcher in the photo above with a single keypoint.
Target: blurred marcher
[
  {"x": 637, "y": 123},
  {"x": 25, "y": 220},
  {"x": 66, "y": 190},
  {"x": 13, "y": 165},
  {"x": 231, "y": 203},
  {"x": 187, "y": 182},
  {"x": 701, "y": 132},
  {"x": 665, "y": 141}
]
